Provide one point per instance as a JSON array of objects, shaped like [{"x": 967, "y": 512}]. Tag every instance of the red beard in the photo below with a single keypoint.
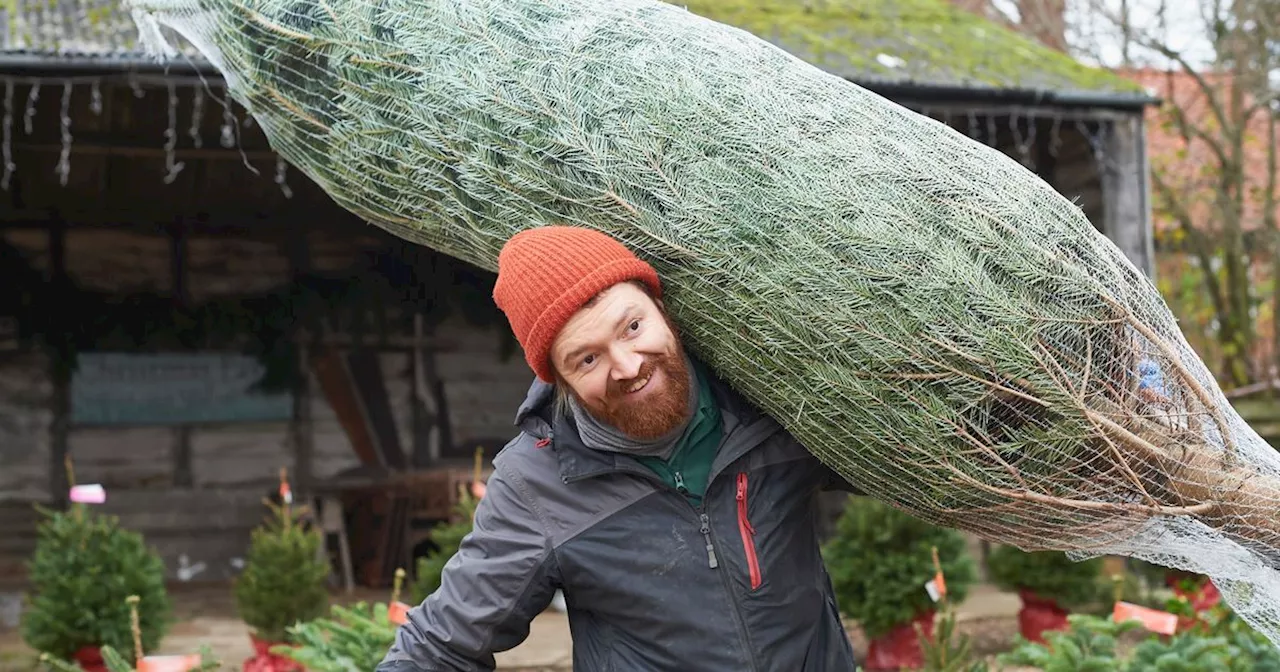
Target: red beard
[{"x": 659, "y": 413}]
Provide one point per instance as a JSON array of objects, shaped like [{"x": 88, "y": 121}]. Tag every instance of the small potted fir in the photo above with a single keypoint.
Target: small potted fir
[
  {"x": 880, "y": 560},
  {"x": 1049, "y": 584},
  {"x": 84, "y": 569},
  {"x": 283, "y": 584}
]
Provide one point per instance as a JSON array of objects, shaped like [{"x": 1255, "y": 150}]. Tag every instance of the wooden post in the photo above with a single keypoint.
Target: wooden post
[
  {"x": 60, "y": 373},
  {"x": 1046, "y": 162},
  {"x": 1126, "y": 191},
  {"x": 300, "y": 427},
  {"x": 424, "y": 449},
  {"x": 181, "y": 447}
]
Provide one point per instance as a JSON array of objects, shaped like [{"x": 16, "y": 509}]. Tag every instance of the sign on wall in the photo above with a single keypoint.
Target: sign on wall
[{"x": 172, "y": 389}]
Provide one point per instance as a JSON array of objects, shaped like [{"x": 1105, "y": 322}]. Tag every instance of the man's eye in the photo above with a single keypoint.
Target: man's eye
[
  {"x": 634, "y": 326},
  {"x": 586, "y": 361}
]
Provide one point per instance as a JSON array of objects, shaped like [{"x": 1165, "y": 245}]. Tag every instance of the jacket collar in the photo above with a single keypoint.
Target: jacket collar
[{"x": 745, "y": 427}]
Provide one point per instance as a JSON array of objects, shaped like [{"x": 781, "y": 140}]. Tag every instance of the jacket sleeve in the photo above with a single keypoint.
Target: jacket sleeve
[{"x": 500, "y": 578}]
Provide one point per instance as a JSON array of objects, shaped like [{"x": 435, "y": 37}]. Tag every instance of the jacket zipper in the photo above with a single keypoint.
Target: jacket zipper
[
  {"x": 711, "y": 548},
  {"x": 748, "y": 533}
]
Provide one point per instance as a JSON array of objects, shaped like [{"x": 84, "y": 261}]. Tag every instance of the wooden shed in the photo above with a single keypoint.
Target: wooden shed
[{"x": 168, "y": 265}]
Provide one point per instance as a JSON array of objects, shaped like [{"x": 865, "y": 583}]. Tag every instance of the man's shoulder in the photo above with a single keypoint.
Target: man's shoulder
[{"x": 528, "y": 459}]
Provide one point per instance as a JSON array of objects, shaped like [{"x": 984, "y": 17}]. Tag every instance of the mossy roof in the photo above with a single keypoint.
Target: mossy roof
[{"x": 922, "y": 42}]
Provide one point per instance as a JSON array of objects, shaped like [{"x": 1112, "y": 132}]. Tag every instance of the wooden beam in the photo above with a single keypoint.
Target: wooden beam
[
  {"x": 1126, "y": 192},
  {"x": 158, "y": 152},
  {"x": 961, "y": 108},
  {"x": 254, "y": 223}
]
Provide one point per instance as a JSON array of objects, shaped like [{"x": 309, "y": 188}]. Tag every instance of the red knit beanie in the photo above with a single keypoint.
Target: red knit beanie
[{"x": 546, "y": 274}]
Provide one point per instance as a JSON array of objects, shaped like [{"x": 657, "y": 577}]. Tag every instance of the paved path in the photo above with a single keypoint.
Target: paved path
[
  {"x": 207, "y": 618},
  {"x": 549, "y": 644}
]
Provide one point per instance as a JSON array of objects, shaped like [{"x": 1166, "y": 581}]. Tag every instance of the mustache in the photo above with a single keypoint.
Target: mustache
[{"x": 618, "y": 388}]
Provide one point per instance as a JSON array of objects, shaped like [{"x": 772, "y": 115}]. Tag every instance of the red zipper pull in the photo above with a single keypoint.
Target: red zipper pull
[
  {"x": 542, "y": 443},
  {"x": 742, "y": 487}
]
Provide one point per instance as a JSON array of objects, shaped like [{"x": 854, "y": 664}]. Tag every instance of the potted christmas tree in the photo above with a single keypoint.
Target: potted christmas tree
[
  {"x": 84, "y": 569},
  {"x": 881, "y": 563},
  {"x": 283, "y": 583},
  {"x": 447, "y": 537},
  {"x": 1049, "y": 583},
  {"x": 1200, "y": 594},
  {"x": 115, "y": 661}
]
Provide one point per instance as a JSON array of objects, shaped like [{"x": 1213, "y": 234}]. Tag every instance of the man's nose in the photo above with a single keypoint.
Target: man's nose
[{"x": 626, "y": 364}]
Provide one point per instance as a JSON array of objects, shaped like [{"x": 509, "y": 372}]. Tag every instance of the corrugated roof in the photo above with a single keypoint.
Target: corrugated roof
[{"x": 902, "y": 42}]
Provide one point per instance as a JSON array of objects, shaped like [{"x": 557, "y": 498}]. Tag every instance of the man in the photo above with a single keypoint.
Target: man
[{"x": 678, "y": 520}]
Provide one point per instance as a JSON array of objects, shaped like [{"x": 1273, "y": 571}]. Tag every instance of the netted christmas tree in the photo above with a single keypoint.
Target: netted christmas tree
[
  {"x": 84, "y": 569},
  {"x": 926, "y": 315},
  {"x": 283, "y": 582}
]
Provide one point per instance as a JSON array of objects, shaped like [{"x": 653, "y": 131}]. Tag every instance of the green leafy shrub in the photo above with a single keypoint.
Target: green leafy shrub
[
  {"x": 284, "y": 578},
  {"x": 1090, "y": 645},
  {"x": 84, "y": 568},
  {"x": 352, "y": 639},
  {"x": 1048, "y": 574},
  {"x": 448, "y": 538},
  {"x": 880, "y": 559}
]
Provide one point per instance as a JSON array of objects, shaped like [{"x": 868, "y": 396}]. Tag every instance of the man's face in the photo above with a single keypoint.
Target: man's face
[{"x": 622, "y": 360}]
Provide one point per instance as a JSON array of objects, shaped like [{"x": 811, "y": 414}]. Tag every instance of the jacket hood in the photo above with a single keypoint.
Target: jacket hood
[{"x": 536, "y": 414}]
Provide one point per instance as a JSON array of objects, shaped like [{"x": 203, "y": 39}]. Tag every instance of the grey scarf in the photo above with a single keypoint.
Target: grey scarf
[{"x": 600, "y": 436}]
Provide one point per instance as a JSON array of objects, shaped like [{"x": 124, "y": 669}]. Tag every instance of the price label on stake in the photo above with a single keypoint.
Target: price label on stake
[
  {"x": 169, "y": 663},
  {"x": 398, "y": 613},
  {"x": 88, "y": 494},
  {"x": 937, "y": 587},
  {"x": 286, "y": 495},
  {"x": 1159, "y": 622}
]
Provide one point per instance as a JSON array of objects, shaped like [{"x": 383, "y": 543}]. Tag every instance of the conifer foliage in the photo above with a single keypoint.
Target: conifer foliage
[
  {"x": 284, "y": 578},
  {"x": 84, "y": 569},
  {"x": 448, "y": 538}
]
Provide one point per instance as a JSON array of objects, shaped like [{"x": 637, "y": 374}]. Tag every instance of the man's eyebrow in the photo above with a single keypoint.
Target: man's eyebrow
[
  {"x": 623, "y": 316},
  {"x": 572, "y": 355}
]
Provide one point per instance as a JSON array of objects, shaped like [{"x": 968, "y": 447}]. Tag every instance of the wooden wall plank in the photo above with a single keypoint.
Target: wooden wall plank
[
  {"x": 134, "y": 458},
  {"x": 25, "y": 421}
]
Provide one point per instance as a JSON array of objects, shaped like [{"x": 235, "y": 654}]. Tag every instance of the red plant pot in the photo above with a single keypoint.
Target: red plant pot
[
  {"x": 1039, "y": 615},
  {"x": 900, "y": 647},
  {"x": 265, "y": 661},
  {"x": 1202, "y": 598},
  {"x": 89, "y": 658}
]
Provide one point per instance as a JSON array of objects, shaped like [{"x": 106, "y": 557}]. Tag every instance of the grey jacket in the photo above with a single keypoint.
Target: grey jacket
[{"x": 651, "y": 582}]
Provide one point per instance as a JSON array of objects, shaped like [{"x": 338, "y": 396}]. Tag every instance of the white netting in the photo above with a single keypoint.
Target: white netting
[{"x": 923, "y": 313}]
